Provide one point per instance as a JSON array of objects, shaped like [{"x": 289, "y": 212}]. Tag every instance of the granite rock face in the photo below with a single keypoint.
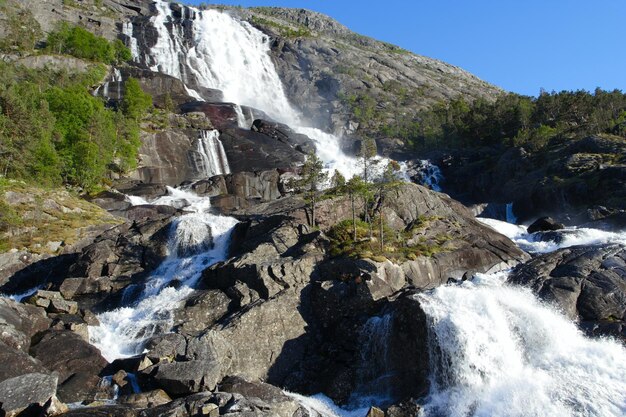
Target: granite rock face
[{"x": 586, "y": 283}]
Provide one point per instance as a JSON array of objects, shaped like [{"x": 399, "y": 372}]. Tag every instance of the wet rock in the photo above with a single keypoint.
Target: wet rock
[
  {"x": 211, "y": 187},
  {"x": 586, "y": 283},
  {"x": 405, "y": 409},
  {"x": 545, "y": 224},
  {"x": 16, "y": 394}
]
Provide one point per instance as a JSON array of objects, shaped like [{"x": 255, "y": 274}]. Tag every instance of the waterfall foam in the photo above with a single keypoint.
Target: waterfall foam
[
  {"x": 198, "y": 240},
  {"x": 498, "y": 351}
]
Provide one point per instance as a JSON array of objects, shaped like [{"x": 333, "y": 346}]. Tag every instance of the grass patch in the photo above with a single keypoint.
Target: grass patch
[
  {"x": 399, "y": 245},
  {"x": 31, "y": 217}
]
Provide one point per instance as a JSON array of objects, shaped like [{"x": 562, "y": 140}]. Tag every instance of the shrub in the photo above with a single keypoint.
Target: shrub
[{"x": 79, "y": 42}]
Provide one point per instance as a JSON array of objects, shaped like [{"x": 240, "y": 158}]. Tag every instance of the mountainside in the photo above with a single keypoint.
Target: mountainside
[{"x": 330, "y": 73}]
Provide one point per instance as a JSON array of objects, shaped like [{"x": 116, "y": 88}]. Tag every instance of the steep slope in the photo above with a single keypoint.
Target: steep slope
[{"x": 351, "y": 83}]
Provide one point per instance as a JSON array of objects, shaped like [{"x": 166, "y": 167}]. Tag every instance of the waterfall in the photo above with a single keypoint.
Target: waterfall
[
  {"x": 510, "y": 216},
  {"x": 212, "y": 157},
  {"x": 496, "y": 350},
  {"x": 427, "y": 174},
  {"x": 374, "y": 371},
  {"x": 197, "y": 240},
  {"x": 127, "y": 30},
  {"x": 241, "y": 119},
  {"x": 114, "y": 77},
  {"x": 230, "y": 55}
]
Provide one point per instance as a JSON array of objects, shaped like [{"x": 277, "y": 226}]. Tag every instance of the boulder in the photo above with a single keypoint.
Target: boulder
[
  {"x": 148, "y": 191},
  {"x": 103, "y": 410},
  {"x": 111, "y": 201},
  {"x": 19, "y": 323},
  {"x": 586, "y": 283},
  {"x": 210, "y": 187},
  {"x": 77, "y": 363},
  {"x": 186, "y": 377},
  {"x": 544, "y": 224},
  {"x": 121, "y": 256},
  {"x": 17, "y": 362},
  {"x": 34, "y": 390},
  {"x": 148, "y": 399},
  {"x": 201, "y": 310}
]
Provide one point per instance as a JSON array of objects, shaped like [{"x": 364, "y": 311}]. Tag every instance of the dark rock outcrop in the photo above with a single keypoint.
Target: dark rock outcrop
[
  {"x": 285, "y": 134},
  {"x": 563, "y": 181},
  {"x": 121, "y": 256},
  {"x": 77, "y": 363},
  {"x": 586, "y": 283},
  {"x": 544, "y": 224}
]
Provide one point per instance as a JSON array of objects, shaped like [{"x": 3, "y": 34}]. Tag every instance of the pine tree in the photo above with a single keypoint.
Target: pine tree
[{"x": 312, "y": 178}]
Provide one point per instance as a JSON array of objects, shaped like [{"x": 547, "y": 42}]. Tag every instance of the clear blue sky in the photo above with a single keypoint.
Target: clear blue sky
[{"x": 519, "y": 45}]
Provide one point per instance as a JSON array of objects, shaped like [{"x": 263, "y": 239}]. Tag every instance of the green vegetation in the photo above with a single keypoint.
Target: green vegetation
[
  {"x": 312, "y": 178},
  {"x": 79, "y": 42},
  {"x": 513, "y": 120},
  {"x": 396, "y": 246},
  {"x": 31, "y": 216},
  {"x": 362, "y": 107},
  {"x": 53, "y": 131},
  {"x": 22, "y": 30},
  {"x": 284, "y": 31}
]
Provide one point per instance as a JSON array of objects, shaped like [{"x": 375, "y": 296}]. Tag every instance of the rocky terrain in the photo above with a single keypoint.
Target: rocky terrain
[
  {"x": 578, "y": 181},
  {"x": 280, "y": 315}
]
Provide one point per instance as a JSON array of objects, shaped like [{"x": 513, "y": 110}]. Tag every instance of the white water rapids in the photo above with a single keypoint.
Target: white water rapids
[
  {"x": 499, "y": 351},
  {"x": 565, "y": 238},
  {"x": 197, "y": 240}
]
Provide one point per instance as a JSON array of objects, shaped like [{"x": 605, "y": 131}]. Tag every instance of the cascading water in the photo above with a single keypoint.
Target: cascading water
[
  {"x": 232, "y": 56},
  {"x": 198, "y": 240},
  {"x": 510, "y": 216},
  {"x": 127, "y": 30},
  {"x": 497, "y": 351},
  {"x": 212, "y": 158},
  {"x": 538, "y": 243},
  {"x": 428, "y": 174},
  {"x": 373, "y": 373}
]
